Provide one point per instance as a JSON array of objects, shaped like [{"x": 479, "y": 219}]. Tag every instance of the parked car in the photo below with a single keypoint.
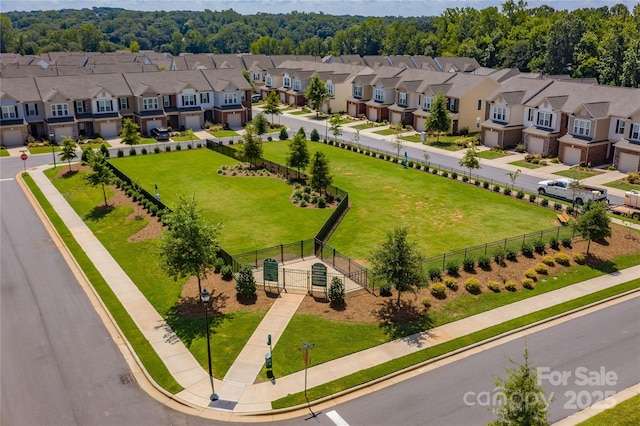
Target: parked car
[
  {"x": 160, "y": 133},
  {"x": 255, "y": 98}
]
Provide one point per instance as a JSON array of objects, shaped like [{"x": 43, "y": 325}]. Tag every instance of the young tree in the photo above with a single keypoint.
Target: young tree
[
  {"x": 190, "y": 246},
  {"x": 245, "y": 283},
  {"x": 101, "y": 173},
  {"x": 130, "y": 135},
  {"x": 316, "y": 93},
  {"x": 471, "y": 160},
  {"x": 298, "y": 156},
  {"x": 68, "y": 152},
  {"x": 260, "y": 124},
  {"x": 284, "y": 135},
  {"x": 524, "y": 402},
  {"x": 335, "y": 122},
  {"x": 438, "y": 120},
  {"x": 594, "y": 224},
  {"x": 251, "y": 149},
  {"x": 320, "y": 177},
  {"x": 513, "y": 176},
  {"x": 271, "y": 104},
  {"x": 397, "y": 261},
  {"x": 397, "y": 143}
]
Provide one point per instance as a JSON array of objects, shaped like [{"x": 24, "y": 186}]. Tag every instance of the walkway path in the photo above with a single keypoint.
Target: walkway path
[{"x": 236, "y": 391}]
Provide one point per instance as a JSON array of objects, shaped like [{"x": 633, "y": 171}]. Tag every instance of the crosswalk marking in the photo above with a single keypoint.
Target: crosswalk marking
[{"x": 336, "y": 418}]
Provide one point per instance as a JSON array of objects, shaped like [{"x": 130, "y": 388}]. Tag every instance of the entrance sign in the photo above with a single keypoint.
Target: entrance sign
[
  {"x": 319, "y": 275},
  {"x": 270, "y": 270}
]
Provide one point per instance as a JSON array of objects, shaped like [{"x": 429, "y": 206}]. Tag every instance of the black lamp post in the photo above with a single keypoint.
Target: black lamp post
[{"x": 205, "y": 296}]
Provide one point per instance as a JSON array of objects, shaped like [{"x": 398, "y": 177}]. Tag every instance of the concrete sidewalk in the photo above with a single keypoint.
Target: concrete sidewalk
[{"x": 236, "y": 391}]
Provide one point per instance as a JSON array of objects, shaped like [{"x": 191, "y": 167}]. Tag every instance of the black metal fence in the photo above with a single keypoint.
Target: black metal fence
[
  {"x": 282, "y": 253},
  {"x": 343, "y": 263},
  {"x": 489, "y": 249},
  {"x": 149, "y": 196}
]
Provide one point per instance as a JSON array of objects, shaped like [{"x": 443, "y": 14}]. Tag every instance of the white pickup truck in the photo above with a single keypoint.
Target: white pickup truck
[{"x": 568, "y": 189}]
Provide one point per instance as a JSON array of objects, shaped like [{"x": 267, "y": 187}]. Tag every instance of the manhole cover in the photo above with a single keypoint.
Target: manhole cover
[{"x": 126, "y": 379}]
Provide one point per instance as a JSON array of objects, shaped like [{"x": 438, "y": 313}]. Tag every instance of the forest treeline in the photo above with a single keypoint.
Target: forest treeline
[{"x": 599, "y": 42}]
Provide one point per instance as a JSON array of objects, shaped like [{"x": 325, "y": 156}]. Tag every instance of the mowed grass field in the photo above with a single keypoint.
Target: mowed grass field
[
  {"x": 442, "y": 214},
  {"x": 255, "y": 211}
]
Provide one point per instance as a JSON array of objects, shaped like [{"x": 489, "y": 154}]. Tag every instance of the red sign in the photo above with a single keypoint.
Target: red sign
[{"x": 24, "y": 157}]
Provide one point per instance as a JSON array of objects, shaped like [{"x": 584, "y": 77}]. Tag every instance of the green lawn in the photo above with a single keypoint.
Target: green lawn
[
  {"x": 490, "y": 155},
  {"x": 185, "y": 138},
  {"x": 526, "y": 165},
  {"x": 417, "y": 138},
  {"x": 577, "y": 173},
  {"x": 625, "y": 413},
  {"x": 442, "y": 214},
  {"x": 4, "y": 152},
  {"x": 147, "y": 141},
  {"x": 623, "y": 185},
  {"x": 299, "y": 112},
  {"x": 386, "y": 132},
  {"x": 367, "y": 125},
  {"x": 44, "y": 149},
  {"x": 255, "y": 211},
  {"x": 223, "y": 133},
  {"x": 139, "y": 260}
]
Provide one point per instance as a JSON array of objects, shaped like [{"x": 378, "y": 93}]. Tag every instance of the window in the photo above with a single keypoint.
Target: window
[
  {"x": 635, "y": 132},
  {"x": 149, "y": 103},
  {"x": 426, "y": 103},
  {"x": 79, "y": 107},
  {"x": 204, "y": 98},
  {"x": 402, "y": 99},
  {"x": 499, "y": 114},
  {"x": 452, "y": 105},
  {"x": 267, "y": 81},
  {"x": 544, "y": 119},
  {"x": 105, "y": 105},
  {"x": 32, "y": 109},
  {"x": 479, "y": 104},
  {"x": 256, "y": 76},
  {"x": 230, "y": 98},
  {"x": 530, "y": 114},
  {"x": 59, "y": 110},
  {"x": 331, "y": 89},
  {"x": 188, "y": 100},
  {"x": 124, "y": 103},
  {"x": 581, "y": 127},
  {"x": 9, "y": 112},
  {"x": 357, "y": 91},
  {"x": 378, "y": 95},
  {"x": 620, "y": 127},
  {"x": 286, "y": 81},
  {"x": 297, "y": 86},
  {"x": 166, "y": 101}
]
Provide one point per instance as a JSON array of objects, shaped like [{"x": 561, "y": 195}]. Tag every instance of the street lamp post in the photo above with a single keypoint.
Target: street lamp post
[
  {"x": 53, "y": 152},
  {"x": 205, "y": 296}
]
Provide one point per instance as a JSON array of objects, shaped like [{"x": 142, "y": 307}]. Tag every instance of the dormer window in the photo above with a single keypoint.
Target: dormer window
[
  {"x": 297, "y": 86},
  {"x": 544, "y": 119},
  {"x": 402, "y": 99},
  {"x": 256, "y": 76},
  {"x": 499, "y": 114},
  {"x": 286, "y": 81},
  {"x": 149, "y": 104},
  {"x": 105, "y": 105},
  {"x": 357, "y": 91},
  {"x": 57, "y": 110},
  {"x": 267, "y": 81},
  {"x": 231, "y": 98},
  {"x": 581, "y": 127},
  {"x": 378, "y": 95}
]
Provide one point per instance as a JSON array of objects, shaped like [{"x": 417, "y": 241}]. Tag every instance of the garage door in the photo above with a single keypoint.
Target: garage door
[
  {"x": 373, "y": 114},
  {"x": 395, "y": 118},
  {"x": 109, "y": 130},
  {"x": 628, "y": 162},
  {"x": 12, "y": 138},
  {"x": 571, "y": 156},
  {"x": 536, "y": 146},
  {"x": 192, "y": 122},
  {"x": 153, "y": 124},
  {"x": 419, "y": 124},
  {"x": 490, "y": 138},
  {"x": 62, "y": 132},
  {"x": 352, "y": 110},
  {"x": 234, "y": 121}
]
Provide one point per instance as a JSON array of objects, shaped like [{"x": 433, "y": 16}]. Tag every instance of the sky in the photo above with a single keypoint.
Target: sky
[{"x": 330, "y": 7}]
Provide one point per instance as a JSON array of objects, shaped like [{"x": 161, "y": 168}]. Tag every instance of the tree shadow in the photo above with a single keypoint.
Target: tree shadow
[
  {"x": 403, "y": 320},
  {"x": 246, "y": 301},
  {"x": 186, "y": 318},
  {"x": 99, "y": 212},
  {"x": 69, "y": 174},
  {"x": 600, "y": 264}
]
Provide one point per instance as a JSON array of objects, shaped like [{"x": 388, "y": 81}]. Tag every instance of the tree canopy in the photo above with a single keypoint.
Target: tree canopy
[
  {"x": 594, "y": 224},
  {"x": 597, "y": 42},
  {"x": 298, "y": 156},
  {"x": 438, "y": 120},
  {"x": 320, "y": 176},
  {"x": 316, "y": 92}
]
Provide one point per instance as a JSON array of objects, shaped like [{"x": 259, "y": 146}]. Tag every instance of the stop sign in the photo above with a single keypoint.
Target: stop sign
[{"x": 24, "y": 157}]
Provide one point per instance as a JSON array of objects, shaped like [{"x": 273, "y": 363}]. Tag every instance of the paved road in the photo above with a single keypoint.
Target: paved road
[
  {"x": 607, "y": 339},
  {"x": 58, "y": 363}
]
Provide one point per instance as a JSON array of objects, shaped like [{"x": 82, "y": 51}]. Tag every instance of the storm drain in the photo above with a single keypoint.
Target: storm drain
[{"x": 127, "y": 378}]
